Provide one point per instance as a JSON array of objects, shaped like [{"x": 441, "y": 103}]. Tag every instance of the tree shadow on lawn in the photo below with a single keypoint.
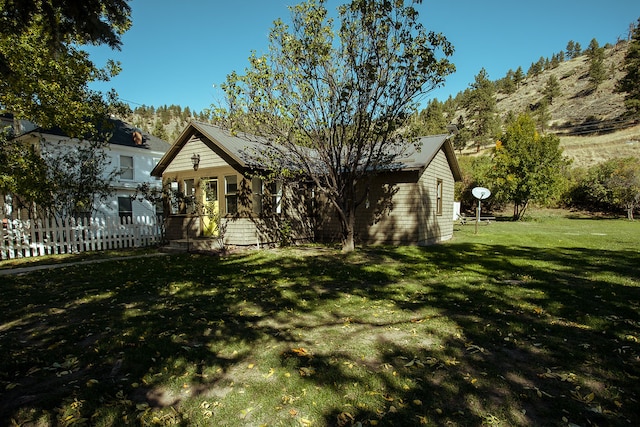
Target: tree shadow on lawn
[{"x": 475, "y": 334}]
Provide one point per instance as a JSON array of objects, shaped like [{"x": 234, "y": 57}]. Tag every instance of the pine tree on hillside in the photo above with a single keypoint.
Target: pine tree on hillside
[
  {"x": 432, "y": 119},
  {"x": 482, "y": 105},
  {"x": 630, "y": 82},
  {"x": 597, "y": 71},
  {"x": 573, "y": 49},
  {"x": 551, "y": 89},
  {"x": 518, "y": 77}
]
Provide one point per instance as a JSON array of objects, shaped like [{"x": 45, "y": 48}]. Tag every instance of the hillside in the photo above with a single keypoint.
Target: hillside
[{"x": 590, "y": 124}]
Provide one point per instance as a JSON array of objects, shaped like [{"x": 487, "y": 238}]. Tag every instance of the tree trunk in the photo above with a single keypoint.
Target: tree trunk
[{"x": 349, "y": 229}]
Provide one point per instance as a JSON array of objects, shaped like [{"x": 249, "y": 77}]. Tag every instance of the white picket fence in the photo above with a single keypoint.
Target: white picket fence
[{"x": 32, "y": 238}]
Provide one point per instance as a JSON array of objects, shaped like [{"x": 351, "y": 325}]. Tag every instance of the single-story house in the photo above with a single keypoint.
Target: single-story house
[{"x": 214, "y": 191}]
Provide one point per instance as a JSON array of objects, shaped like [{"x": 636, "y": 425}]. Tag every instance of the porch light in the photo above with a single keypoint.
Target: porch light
[{"x": 195, "y": 159}]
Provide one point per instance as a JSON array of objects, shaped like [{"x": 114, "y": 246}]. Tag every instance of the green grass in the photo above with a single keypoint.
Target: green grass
[{"x": 532, "y": 323}]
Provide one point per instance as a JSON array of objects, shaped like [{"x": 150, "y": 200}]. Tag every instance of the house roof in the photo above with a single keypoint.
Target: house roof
[
  {"x": 120, "y": 133},
  {"x": 237, "y": 148},
  {"x": 232, "y": 147},
  {"x": 420, "y": 155}
]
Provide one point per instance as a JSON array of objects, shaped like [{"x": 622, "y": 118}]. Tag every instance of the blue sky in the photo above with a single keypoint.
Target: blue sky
[{"x": 175, "y": 52}]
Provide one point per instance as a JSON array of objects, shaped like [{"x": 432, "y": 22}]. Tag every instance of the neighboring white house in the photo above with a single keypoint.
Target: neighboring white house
[{"x": 129, "y": 150}]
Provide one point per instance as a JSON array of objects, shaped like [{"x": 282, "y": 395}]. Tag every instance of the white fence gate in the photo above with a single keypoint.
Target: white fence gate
[{"x": 32, "y": 238}]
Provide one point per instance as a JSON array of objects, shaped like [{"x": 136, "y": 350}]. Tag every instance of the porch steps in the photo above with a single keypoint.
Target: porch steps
[{"x": 190, "y": 245}]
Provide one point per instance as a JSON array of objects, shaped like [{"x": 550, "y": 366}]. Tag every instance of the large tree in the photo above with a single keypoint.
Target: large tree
[
  {"x": 630, "y": 82},
  {"x": 44, "y": 78},
  {"x": 597, "y": 72},
  {"x": 44, "y": 73},
  {"x": 333, "y": 97},
  {"x": 527, "y": 167},
  {"x": 483, "y": 109}
]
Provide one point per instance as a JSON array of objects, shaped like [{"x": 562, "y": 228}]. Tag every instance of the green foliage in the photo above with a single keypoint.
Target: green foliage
[
  {"x": 537, "y": 67},
  {"x": 518, "y": 77},
  {"x": 551, "y": 89},
  {"x": 44, "y": 73},
  {"x": 432, "y": 120},
  {"x": 342, "y": 87},
  {"x": 464, "y": 135},
  {"x": 624, "y": 184},
  {"x": 507, "y": 84},
  {"x": 597, "y": 70},
  {"x": 167, "y": 121},
  {"x": 483, "y": 107},
  {"x": 80, "y": 177},
  {"x": 23, "y": 173},
  {"x": 476, "y": 172},
  {"x": 573, "y": 49},
  {"x": 527, "y": 166},
  {"x": 630, "y": 82},
  {"x": 609, "y": 186},
  {"x": 87, "y": 22}
]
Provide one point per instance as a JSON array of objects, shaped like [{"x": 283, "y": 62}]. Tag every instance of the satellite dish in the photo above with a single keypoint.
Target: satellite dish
[{"x": 481, "y": 193}]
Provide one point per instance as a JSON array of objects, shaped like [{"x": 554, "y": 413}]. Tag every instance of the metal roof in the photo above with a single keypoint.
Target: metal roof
[
  {"x": 238, "y": 147},
  {"x": 119, "y": 133}
]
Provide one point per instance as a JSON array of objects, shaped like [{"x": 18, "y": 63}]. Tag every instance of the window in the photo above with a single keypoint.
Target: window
[
  {"x": 439, "y": 193},
  {"x": 211, "y": 190},
  {"x": 173, "y": 197},
  {"x": 126, "y": 167},
  {"x": 267, "y": 197},
  {"x": 231, "y": 194},
  {"x": 275, "y": 191},
  {"x": 189, "y": 187},
  {"x": 256, "y": 191},
  {"x": 125, "y": 209},
  {"x": 189, "y": 195}
]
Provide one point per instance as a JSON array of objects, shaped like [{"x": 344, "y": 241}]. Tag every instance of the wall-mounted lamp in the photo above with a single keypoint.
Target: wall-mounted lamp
[{"x": 195, "y": 159}]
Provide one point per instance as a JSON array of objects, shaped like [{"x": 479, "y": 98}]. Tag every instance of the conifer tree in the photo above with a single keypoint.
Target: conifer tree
[
  {"x": 483, "y": 107},
  {"x": 630, "y": 82},
  {"x": 597, "y": 71},
  {"x": 518, "y": 77},
  {"x": 551, "y": 89}
]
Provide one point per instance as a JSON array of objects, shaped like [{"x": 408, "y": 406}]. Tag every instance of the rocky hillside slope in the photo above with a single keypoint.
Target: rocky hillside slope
[{"x": 590, "y": 124}]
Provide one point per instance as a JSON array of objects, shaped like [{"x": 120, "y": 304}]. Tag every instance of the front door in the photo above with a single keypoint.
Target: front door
[{"x": 210, "y": 207}]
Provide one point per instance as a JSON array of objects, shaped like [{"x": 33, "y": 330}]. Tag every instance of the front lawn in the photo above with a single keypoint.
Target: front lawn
[{"x": 531, "y": 323}]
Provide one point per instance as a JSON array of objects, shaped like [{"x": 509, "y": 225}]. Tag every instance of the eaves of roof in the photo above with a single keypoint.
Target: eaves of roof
[
  {"x": 236, "y": 149},
  {"x": 119, "y": 133}
]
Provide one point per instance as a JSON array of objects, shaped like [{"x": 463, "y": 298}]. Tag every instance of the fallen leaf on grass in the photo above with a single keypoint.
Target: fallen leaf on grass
[
  {"x": 344, "y": 418},
  {"x": 575, "y": 394},
  {"x": 271, "y": 372},
  {"x": 452, "y": 362},
  {"x": 539, "y": 392},
  {"x": 472, "y": 348},
  {"x": 307, "y": 371}
]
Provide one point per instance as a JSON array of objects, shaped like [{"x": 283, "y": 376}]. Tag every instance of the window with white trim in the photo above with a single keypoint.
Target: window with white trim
[
  {"x": 231, "y": 194},
  {"x": 267, "y": 196},
  {"x": 126, "y": 167},
  {"x": 439, "y": 194}
]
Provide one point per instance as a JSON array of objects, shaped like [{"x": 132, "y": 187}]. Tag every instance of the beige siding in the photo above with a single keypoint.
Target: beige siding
[
  {"x": 434, "y": 227},
  {"x": 182, "y": 161},
  {"x": 402, "y": 209}
]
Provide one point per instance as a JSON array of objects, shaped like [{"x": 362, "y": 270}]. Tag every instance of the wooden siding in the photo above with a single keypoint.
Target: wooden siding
[
  {"x": 433, "y": 227},
  {"x": 402, "y": 209},
  {"x": 182, "y": 161}
]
